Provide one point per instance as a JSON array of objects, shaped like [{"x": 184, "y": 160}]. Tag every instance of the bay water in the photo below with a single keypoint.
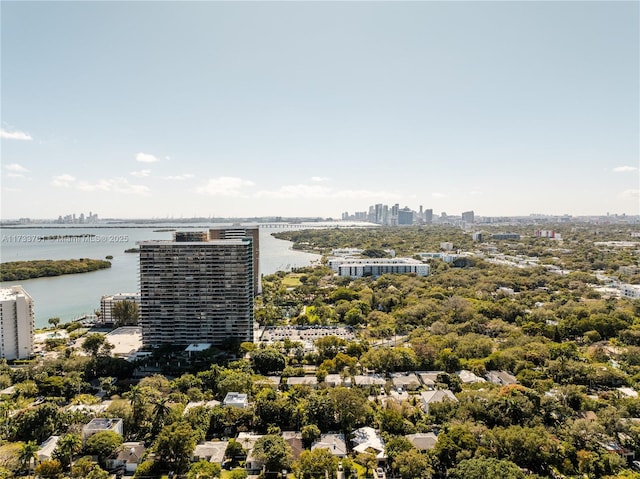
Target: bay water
[{"x": 71, "y": 296}]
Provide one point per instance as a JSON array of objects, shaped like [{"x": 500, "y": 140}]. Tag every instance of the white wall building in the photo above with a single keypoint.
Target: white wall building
[
  {"x": 379, "y": 266},
  {"x": 16, "y": 323},
  {"x": 107, "y": 302},
  {"x": 631, "y": 291}
]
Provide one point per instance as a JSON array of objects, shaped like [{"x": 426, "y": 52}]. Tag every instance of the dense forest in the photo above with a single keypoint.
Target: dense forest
[{"x": 20, "y": 270}]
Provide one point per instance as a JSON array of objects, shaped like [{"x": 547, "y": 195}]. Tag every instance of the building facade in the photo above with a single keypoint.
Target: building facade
[
  {"x": 249, "y": 232},
  {"x": 196, "y": 291},
  {"x": 107, "y": 302},
  {"x": 357, "y": 268},
  {"x": 16, "y": 323}
]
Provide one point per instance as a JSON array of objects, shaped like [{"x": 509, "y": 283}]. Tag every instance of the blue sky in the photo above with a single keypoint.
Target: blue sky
[{"x": 160, "y": 109}]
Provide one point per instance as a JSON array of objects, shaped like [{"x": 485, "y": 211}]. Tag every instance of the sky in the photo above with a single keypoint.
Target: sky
[{"x": 240, "y": 109}]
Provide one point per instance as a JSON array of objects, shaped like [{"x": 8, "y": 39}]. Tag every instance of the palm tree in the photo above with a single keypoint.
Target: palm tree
[
  {"x": 160, "y": 412},
  {"x": 68, "y": 446},
  {"x": 28, "y": 453},
  {"x": 137, "y": 400}
]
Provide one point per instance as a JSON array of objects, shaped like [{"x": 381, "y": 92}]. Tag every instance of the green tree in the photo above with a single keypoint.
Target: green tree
[
  {"x": 98, "y": 473},
  {"x": 49, "y": 469},
  {"x": 316, "y": 464},
  {"x": 54, "y": 322},
  {"x": 274, "y": 452},
  {"x": 161, "y": 410},
  {"x": 95, "y": 343},
  {"x": 368, "y": 461},
  {"x": 82, "y": 467},
  {"x": 350, "y": 407},
  {"x": 204, "y": 470},
  {"x": 310, "y": 433},
  {"x": 125, "y": 313},
  {"x": 174, "y": 446},
  {"x": 483, "y": 468},
  {"x": 28, "y": 455},
  {"x": 412, "y": 464},
  {"x": 68, "y": 446},
  {"x": 103, "y": 444},
  {"x": 267, "y": 360}
]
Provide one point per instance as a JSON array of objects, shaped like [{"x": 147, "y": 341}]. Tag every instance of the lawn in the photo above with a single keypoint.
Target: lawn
[{"x": 292, "y": 280}]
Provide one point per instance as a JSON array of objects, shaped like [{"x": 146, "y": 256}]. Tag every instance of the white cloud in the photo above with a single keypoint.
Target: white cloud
[
  {"x": 146, "y": 158},
  {"x": 224, "y": 186},
  {"x": 14, "y": 135},
  {"x": 319, "y": 178},
  {"x": 140, "y": 173},
  {"x": 16, "y": 168},
  {"x": 624, "y": 169},
  {"x": 438, "y": 195},
  {"x": 63, "y": 181},
  {"x": 11, "y": 190},
  {"x": 185, "y": 176},
  {"x": 115, "y": 185},
  {"x": 15, "y": 175}
]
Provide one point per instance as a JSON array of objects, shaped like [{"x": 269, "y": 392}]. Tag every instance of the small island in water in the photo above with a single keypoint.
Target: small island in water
[{"x": 20, "y": 270}]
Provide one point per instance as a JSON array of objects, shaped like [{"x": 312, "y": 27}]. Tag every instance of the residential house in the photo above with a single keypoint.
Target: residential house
[
  {"x": 47, "y": 447},
  {"x": 212, "y": 451},
  {"x": 335, "y": 443},
  {"x": 405, "y": 381},
  {"x": 368, "y": 380},
  {"x": 101, "y": 424},
  {"x": 333, "y": 380},
  {"x": 248, "y": 441},
  {"x": 366, "y": 439},
  {"x": 467, "y": 377},
  {"x": 439, "y": 395},
  {"x": 501, "y": 378},
  {"x": 311, "y": 381},
  {"x": 294, "y": 439},
  {"x": 205, "y": 404},
  {"x": 127, "y": 457},
  {"x": 423, "y": 441},
  {"x": 429, "y": 378}
]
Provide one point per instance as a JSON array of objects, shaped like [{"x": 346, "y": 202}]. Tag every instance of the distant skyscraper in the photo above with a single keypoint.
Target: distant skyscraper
[
  {"x": 16, "y": 323},
  {"x": 196, "y": 290},
  {"x": 468, "y": 216},
  {"x": 405, "y": 216},
  {"x": 428, "y": 216}
]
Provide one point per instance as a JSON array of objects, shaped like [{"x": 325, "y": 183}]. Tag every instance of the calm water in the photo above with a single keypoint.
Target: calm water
[{"x": 71, "y": 296}]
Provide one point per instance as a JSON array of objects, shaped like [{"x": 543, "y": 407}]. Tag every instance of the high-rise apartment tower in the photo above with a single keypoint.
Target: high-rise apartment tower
[
  {"x": 239, "y": 231},
  {"x": 16, "y": 323},
  {"x": 196, "y": 290}
]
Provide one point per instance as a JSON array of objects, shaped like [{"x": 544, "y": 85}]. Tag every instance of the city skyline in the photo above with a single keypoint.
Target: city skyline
[{"x": 303, "y": 109}]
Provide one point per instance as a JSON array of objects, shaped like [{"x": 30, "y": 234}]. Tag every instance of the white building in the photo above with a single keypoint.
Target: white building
[
  {"x": 631, "y": 291},
  {"x": 102, "y": 424},
  {"x": 235, "y": 399},
  {"x": 356, "y": 268},
  {"x": 47, "y": 447},
  {"x": 107, "y": 302},
  {"x": 16, "y": 323}
]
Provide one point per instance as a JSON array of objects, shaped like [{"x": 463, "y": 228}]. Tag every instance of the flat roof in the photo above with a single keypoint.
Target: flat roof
[{"x": 125, "y": 340}]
